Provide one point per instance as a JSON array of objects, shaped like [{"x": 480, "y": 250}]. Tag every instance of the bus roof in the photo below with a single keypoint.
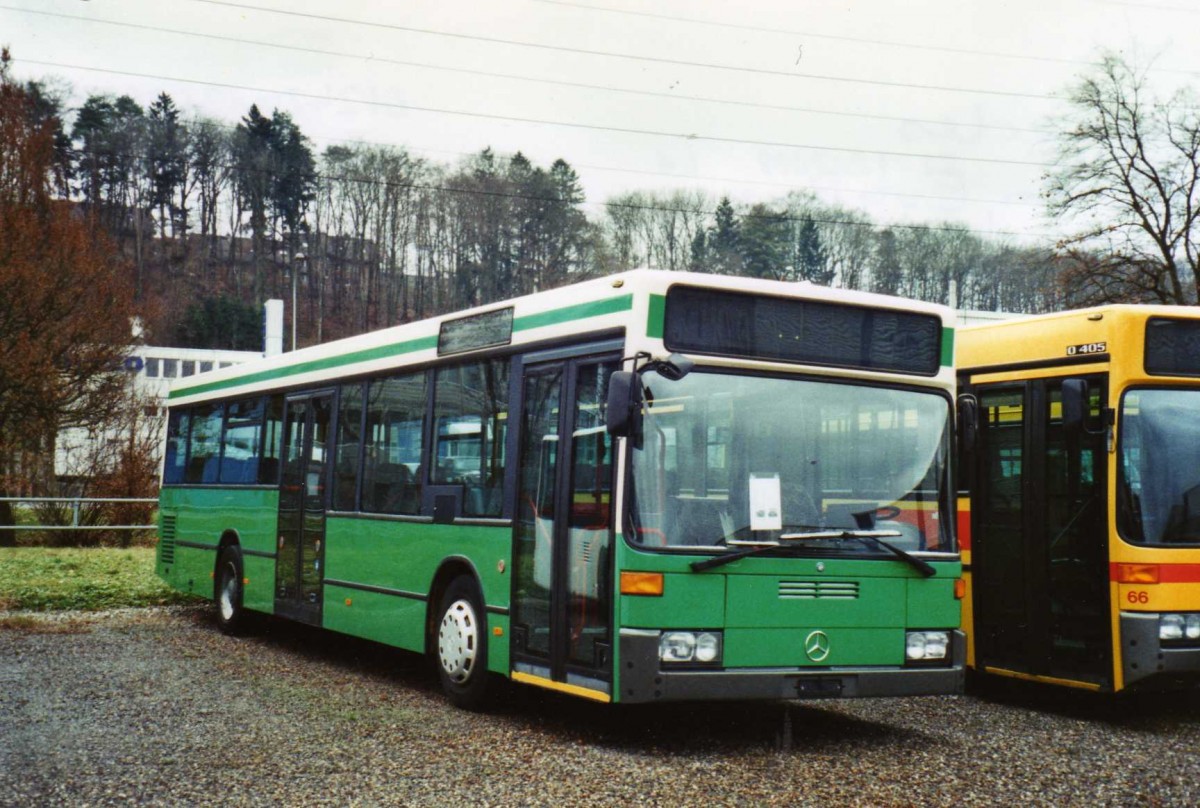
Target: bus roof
[
  {"x": 630, "y": 302},
  {"x": 1070, "y": 336}
]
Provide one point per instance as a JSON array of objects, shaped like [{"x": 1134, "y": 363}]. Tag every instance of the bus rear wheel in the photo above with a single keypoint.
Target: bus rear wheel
[
  {"x": 460, "y": 644},
  {"x": 231, "y": 617}
]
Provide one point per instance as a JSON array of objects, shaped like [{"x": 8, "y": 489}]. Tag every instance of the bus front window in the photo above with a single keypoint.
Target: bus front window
[
  {"x": 728, "y": 458},
  {"x": 1159, "y": 488}
]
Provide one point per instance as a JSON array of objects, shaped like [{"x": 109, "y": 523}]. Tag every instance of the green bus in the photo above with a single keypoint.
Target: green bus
[{"x": 655, "y": 486}]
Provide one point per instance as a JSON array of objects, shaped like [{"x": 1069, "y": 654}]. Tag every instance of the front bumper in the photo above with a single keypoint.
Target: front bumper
[
  {"x": 642, "y": 679},
  {"x": 1144, "y": 660}
]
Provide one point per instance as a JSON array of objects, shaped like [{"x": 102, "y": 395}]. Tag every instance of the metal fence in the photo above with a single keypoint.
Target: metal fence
[{"x": 76, "y": 504}]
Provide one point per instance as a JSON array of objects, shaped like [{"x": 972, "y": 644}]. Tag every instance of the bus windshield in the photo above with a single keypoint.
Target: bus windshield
[
  {"x": 1159, "y": 491},
  {"x": 737, "y": 459}
]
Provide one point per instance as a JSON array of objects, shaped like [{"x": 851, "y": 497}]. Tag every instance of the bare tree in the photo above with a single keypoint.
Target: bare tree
[
  {"x": 1127, "y": 174},
  {"x": 847, "y": 237},
  {"x": 656, "y": 229},
  {"x": 65, "y": 304}
]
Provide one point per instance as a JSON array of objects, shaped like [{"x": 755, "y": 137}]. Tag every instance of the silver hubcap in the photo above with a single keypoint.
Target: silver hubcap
[
  {"x": 229, "y": 587},
  {"x": 458, "y": 641}
]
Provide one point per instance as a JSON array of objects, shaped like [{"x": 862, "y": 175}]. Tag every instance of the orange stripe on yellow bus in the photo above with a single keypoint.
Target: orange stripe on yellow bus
[{"x": 1142, "y": 573}]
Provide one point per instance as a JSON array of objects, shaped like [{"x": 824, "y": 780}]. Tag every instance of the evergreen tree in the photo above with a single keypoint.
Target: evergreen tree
[
  {"x": 222, "y": 323},
  {"x": 91, "y": 135},
  {"x": 567, "y": 226},
  {"x": 763, "y": 243},
  {"x": 252, "y": 161},
  {"x": 294, "y": 174},
  {"x": 887, "y": 274},
  {"x": 209, "y": 153},
  {"x": 167, "y": 163},
  {"x": 46, "y": 109},
  {"x": 700, "y": 258},
  {"x": 811, "y": 262},
  {"x": 724, "y": 244}
]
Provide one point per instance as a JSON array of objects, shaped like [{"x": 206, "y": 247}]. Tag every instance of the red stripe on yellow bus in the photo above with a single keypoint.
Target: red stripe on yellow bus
[
  {"x": 1167, "y": 573},
  {"x": 964, "y": 528}
]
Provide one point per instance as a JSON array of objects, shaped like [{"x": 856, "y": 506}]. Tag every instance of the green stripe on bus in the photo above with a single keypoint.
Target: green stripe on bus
[
  {"x": 654, "y": 323},
  {"x": 368, "y": 355},
  {"x": 947, "y": 347},
  {"x": 579, "y": 311}
]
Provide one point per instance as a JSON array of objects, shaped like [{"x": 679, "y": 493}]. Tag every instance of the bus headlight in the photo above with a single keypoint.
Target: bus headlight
[
  {"x": 702, "y": 647},
  {"x": 927, "y": 646},
  {"x": 708, "y": 647},
  {"x": 1179, "y": 628}
]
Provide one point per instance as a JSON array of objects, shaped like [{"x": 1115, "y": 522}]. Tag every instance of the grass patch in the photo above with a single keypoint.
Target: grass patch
[
  {"x": 54, "y": 579},
  {"x": 32, "y": 625}
]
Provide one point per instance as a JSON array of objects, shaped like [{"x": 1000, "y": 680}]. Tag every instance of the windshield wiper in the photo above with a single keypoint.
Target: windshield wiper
[
  {"x": 732, "y": 555},
  {"x": 871, "y": 538},
  {"x": 741, "y": 549}
]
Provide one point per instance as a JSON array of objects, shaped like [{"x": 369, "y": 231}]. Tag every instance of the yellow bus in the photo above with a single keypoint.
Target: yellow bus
[{"x": 1080, "y": 496}]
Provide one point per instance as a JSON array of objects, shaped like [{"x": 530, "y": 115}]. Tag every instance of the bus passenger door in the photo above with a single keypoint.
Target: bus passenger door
[
  {"x": 302, "y": 503},
  {"x": 562, "y": 554},
  {"x": 1040, "y": 537}
]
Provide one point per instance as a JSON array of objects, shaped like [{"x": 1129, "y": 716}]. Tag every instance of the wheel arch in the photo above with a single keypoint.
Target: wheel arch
[
  {"x": 229, "y": 538},
  {"x": 452, "y": 567}
]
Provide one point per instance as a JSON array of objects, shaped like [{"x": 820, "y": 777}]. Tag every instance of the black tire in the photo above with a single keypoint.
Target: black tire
[
  {"x": 460, "y": 644},
  {"x": 228, "y": 591}
]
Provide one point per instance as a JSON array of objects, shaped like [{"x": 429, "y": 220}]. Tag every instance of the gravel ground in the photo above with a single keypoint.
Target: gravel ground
[{"x": 156, "y": 707}]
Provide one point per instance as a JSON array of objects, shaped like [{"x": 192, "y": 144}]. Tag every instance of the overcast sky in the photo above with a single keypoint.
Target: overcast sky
[{"x": 921, "y": 111}]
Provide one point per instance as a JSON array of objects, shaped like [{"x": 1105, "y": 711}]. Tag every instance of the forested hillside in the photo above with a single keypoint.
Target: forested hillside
[{"x": 217, "y": 216}]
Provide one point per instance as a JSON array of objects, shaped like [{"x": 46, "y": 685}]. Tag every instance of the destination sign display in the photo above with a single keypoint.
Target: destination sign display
[{"x": 477, "y": 331}]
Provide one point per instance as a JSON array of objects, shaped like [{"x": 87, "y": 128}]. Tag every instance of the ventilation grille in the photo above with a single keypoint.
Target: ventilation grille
[
  {"x": 818, "y": 590},
  {"x": 166, "y": 541}
]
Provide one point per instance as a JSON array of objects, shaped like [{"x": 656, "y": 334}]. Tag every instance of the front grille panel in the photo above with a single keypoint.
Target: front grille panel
[{"x": 818, "y": 590}]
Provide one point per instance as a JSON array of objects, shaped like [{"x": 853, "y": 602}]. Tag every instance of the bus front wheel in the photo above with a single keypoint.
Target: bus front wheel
[
  {"x": 231, "y": 617},
  {"x": 461, "y": 644}
]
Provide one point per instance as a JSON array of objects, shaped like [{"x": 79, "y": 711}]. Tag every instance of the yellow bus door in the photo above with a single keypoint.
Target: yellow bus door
[{"x": 1039, "y": 558}]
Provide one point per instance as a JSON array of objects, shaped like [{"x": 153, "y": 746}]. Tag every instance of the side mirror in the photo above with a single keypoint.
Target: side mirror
[
  {"x": 1074, "y": 406},
  {"x": 625, "y": 396},
  {"x": 968, "y": 422},
  {"x": 675, "y": 367},
  {"x": 623, "y": 410}
]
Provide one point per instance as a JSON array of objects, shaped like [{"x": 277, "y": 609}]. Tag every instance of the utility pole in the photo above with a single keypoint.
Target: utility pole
[{"x": 297, "y": 262}]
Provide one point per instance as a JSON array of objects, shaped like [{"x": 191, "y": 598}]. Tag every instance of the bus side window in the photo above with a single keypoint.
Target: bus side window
[
  {"x": 391, "y": 479},
  {"x": 470, "y": 416},
  {"x": 175, "y": 460},
  {"x": 241, "y": 442},
  {"x": 272, "y": 438},
  {"x": 349, "y": 441},
  {"x": 204, "y": 444}
]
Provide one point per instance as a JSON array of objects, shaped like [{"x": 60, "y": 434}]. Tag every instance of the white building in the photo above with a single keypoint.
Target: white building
[{"x": 150, "y": 371}]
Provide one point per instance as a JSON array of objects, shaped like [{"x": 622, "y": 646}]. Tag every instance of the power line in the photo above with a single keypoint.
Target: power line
[
  {"x": 532, "y": 79},
  {"x": 1155, "y": 6},
  {"x": 629, "y": 56},
  {"x": 688, "y": 136},
  {"x": 813, "y": 35},
  {"x": 417, "y": 148},
  {"x": 884, "y": 42},
  {"x": 777, "y": 217}
]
